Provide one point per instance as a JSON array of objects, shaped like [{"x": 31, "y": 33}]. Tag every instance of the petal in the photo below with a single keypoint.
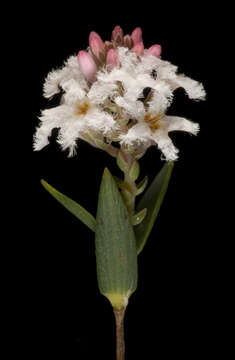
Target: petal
[
  {"x": 100, "y": 121},
  {"x": 175, "y": 123},
  {"x": 162, "y": 97},
  {"x": 100, "y": 91},
  {"x": 135, "y": 109},
  {"x": 56, "y": 79},
  {"x": 69, "y": 133},
  {"x": 139, "y": 133},
  {"x": 193, "y": 88},
  {"x": 165, "y": 144},
  {"x": 49, "y": 120},
  {"x": 73, "y": 92}
]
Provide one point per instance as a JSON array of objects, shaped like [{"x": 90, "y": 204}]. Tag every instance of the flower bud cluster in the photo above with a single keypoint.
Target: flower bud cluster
[{"x": 105, "y": 53}]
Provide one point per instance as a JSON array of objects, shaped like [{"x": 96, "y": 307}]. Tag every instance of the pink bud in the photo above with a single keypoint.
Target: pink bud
[
  {"x": 87, "y": 65},
  {"x": 138, "y": 48},
  {"x": 154, "y": 50},
  {"x": 112, "y": 59},
  {"x": 137, "y": 36},
  {"x": 96, "y": 43},
  {"x": 117, "y": 34},
  {"x": 127, "y": 41}
]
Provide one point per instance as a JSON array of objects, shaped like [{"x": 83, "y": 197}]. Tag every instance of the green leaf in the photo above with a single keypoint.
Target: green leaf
[
  {"x": 134, "y": 171},
  {"x": 152, "y": 200},
  {"x": 142, "y": 185},
  {"x": 139, "y": 217},
  {"x": 76, "y": 209},
  {"x": 116, "y": 255}
]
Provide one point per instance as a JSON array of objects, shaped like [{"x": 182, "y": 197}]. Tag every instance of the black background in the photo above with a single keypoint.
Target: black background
[{"x": 173, "y": 312}]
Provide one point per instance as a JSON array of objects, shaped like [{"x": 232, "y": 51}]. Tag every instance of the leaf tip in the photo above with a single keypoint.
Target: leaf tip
[
  {"x": 107, "y": 173},
  {"x": 43, "y": 182}
]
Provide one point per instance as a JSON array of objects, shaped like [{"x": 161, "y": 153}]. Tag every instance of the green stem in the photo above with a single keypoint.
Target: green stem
[{"x": 120, "y": 341}]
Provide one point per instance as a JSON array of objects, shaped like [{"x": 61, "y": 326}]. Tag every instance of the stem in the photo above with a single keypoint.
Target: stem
[{"x": 120, "y": 341}]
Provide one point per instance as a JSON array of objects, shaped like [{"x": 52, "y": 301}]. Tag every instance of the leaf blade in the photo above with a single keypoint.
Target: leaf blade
[
  {"x": 77, "y": 210},
  {"x": 152, "y": 200},
  {"x": 116, "y": 255}
]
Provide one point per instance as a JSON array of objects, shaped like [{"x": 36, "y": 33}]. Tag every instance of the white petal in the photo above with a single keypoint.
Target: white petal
[
  {"x": 161, "y": 98},
  {"x": 70, "y": 132},
  {"x": 163, "y": 68},
  {"x": 165, "y": 144},
  {"x": 57, "y": 78},
  {"x": 139, "y": 134},
  {"x": 100, "y": 91},
  {"x": 135, "y": 109},
  {"x": 194, "y": 89},
  {"x": 50, "y": 119},
  {"x": 73, "y": 92},
  {"x": 128, "y": 59},
  {"x": 175, "y": 123},
  {"x": 100, "y": 121}
]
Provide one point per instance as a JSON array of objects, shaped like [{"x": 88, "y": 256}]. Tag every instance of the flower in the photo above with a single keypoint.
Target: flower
[
  {"x": 77, "y": 117},
  {"x": 104, "y": 98}
]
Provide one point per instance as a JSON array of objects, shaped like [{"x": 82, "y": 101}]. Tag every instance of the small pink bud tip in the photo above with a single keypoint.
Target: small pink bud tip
[
  {"x": 138, "y": 48},
  {"x": 96, "y": 43},
  {"x": 112, "y": 59},
  {"x": 87, "y": 65},
  {"x": 154, "y": 50},
  {"x": 137, "y": 36},
  {"x": 117, "y": 34}
]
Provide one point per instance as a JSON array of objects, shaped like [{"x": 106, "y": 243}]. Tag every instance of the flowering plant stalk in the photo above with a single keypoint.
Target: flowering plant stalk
[{"x": 115, "y": 96}]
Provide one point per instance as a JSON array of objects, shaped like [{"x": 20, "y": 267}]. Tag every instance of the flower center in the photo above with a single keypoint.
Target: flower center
[
  {"x": 153, "y": 121},
  {"x": 82, "y": 108}
]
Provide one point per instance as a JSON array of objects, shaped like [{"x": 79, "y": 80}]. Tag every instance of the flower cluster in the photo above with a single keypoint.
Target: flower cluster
[{"x": 116, "y": 92}]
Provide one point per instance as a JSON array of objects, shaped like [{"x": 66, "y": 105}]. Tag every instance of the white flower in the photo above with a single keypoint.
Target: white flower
[
  {"x": 77, "y": 117},
  {"x": 155, "y": 129}
]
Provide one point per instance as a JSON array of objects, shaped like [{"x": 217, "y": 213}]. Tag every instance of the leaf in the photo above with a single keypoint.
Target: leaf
[
  {"x": 142, "y": 185},
  {"x": 116, "y": 255},
  {"x": 152, "y": 200},
  {"x": 139, "y": 217},
  {"x": 76, "y": 209}
]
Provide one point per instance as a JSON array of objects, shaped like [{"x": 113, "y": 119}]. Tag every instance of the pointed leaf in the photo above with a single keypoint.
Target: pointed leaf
[
  {"x": 152, "y": 200},
  {"x": 76, "y": 209},
  {"x": 139, "y": 217},
  {"x": 116, "y": 255},
  {"x": 142, "y": 185}
]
